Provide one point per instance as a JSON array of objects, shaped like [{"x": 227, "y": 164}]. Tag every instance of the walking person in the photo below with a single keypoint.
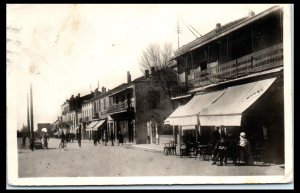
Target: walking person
[
  {"x": 99, "y": 136},
  {"x": 245, "y": 152},
  {"x": 105, "y": 138},
  {"x": 232, "y": 150},
  {"x": 215, "y": 137},
  {"x": 221, "y": 147},
  {"x": 63, "y": 140},
  {"x": 120, "y": 138},
  {"x": 95, "y": 138},
  {"x": 112, "y": 138},
  {"x": 46, "y": 141},
  {"x": 24, "y": 140},
  {"x": 79, "y": 138}
]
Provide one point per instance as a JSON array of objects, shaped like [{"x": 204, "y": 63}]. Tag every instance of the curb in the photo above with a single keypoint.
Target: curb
[{"x": 143, "y": 148}]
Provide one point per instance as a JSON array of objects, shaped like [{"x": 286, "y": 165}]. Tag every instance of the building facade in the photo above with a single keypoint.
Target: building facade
[
  {"x": 235, "y": 76},
  {"x": 134, "y": 105}
]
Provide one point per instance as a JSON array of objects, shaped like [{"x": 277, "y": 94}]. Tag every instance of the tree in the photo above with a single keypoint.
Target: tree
[{"x": 158, "y": 59}]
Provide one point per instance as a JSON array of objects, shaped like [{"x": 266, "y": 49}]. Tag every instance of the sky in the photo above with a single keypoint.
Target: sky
[{"x": 63, "y": 50}]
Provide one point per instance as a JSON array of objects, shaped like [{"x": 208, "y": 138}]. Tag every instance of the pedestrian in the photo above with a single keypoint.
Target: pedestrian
[
  {"x": 105, "y": 138},
  {"x": 95, "y": 138},
  {"x": 121, "y": 138},
  {"x": 46, "y": 141},
  {"x": 24, "y": 140},
  {"x": 99, "y": 136},
  {"x": 215, "y": 137},
  {"x": 245, "y": 153},
  {"x": 79, "y": 138},
  {"x": 221, "y": 148},
  {"x": 232, "y": 150},
  {"x": 112, "y": 138},
  {"x": 63, "y": 140}
]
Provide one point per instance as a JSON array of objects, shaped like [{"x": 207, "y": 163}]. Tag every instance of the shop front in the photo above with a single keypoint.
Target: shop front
[
  {"x": 122, "y": 124},
  {"x": 255, "y": 108}
]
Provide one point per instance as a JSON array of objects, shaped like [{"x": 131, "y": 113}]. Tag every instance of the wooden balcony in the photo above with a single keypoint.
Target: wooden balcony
[
  {"x": 123, "y": 106},
  {"x": 262, "y": 60}
]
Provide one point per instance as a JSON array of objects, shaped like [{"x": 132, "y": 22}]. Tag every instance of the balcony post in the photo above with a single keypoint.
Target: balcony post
[{"x": 236, "y": 66}]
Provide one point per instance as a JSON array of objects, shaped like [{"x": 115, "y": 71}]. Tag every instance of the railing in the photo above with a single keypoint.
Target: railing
[
  {"x": 85, "y": 119},
  {"x": 103, "y": 112},
  {"x": 123, "y": 106},
  {"x": 265, "y": 59}
]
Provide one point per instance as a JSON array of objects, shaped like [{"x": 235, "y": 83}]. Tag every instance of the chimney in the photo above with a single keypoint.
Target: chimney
[
  {"x": 128, "y": 77},
  {"x": 146, "y": 73},
  {"x": 218, "y": 25},
  {"x": 103, "y": 89},
  {"x": 251, "y": 14},
  {"x": 152, "y": 69}
]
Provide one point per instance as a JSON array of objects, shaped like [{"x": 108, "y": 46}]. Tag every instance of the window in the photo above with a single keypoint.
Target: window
[
  {"x": 153, "y": 98},
  {"x": 166, "y": 130},
  {"x": 265, "y": 133}
]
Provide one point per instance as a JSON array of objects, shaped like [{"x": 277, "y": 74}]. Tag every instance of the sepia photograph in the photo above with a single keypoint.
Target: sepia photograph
[{"x": 149, "y": 94}]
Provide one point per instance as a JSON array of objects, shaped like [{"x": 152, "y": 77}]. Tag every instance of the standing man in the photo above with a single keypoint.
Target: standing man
[
  {"x": 112, "y": 138},
  {"x": 63, "y": 139},
  {"x": 79, "y": 137},
  {"x": 215, "y": 137},
  {"x": 95, "y": 138},
  {"x": 46, "y": 141},
  {"x": 24, "y": 140},
  {"x": 105, "y": 138}
]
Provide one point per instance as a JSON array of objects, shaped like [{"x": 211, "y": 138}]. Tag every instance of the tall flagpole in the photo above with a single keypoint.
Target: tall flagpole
[
  {"x": 28, "y": 120},
  {"x": 31, "y": 113}
]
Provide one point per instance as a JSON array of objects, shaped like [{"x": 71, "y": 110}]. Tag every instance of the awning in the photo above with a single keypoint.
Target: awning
[
  {"x": 188, "y": 114},
  {"x": 99, "y": 124},
  {"x": 190, "y": 127},
  {"x": 228, "y": 109},
  {"x": 91, "y": 125},
  {"x": 167, "y": 121}
]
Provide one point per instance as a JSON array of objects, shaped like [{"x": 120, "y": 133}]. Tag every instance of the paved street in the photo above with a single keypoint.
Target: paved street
[{"x": 100, "y": 160}]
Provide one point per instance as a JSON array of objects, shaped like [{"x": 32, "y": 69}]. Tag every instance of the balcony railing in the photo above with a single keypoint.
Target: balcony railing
[
  {"x": 265, "y": 59},
  {"x": 123, "y": 106},
  {"x": 85, "y": 119},
  {"x": 103, "y": 112}
]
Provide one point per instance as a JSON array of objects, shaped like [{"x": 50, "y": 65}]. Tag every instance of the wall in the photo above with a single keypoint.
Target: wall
[{"x": 144, "y": 112}]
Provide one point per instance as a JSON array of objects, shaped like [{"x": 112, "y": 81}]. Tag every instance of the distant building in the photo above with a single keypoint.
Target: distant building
[{"x": 40, "y": 126}]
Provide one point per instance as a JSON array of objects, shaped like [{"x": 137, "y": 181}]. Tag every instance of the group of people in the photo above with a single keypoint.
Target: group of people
[
  {"x": 225, "y": 146},
  {"x": 106, "y": 137}
]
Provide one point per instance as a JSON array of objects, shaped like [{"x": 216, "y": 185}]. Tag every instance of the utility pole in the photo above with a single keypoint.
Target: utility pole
[
  {"x": 178, "y": 30},
  {"x": 28, "y": 121},
  {"x": 31, "y": 113}
]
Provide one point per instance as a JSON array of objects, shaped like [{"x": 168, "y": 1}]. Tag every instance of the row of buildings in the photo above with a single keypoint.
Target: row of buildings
[
  {"x": 233, "y": 80},
  {"x": 128, "y": 109}
]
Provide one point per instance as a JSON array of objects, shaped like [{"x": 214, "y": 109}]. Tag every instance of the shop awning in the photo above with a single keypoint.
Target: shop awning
[
  {"x": 190, "y": 127},
  {"x": 188, "y": 114},
  {"x": 228, "y": 109},
  {"x": 91, "y": 125},
  {"x": 99, "y": 124},
  {"x": 167, "y": 121}
]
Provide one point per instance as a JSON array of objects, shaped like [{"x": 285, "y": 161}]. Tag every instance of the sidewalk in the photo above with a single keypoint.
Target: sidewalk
[{"x": 146, "y": 147}]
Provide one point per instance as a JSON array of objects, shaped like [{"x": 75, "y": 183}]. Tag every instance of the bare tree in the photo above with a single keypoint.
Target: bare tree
[
  {"x": 158, "y": 58},
  {"x": 155, "y": 56}
]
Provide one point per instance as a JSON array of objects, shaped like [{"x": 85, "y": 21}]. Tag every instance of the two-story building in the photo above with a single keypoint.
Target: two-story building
[
  {"x": 234, "y": 76},
  {"x": 98, "y": 107},
  {"x": 137, "y": 109},
  {"x": 65, "y": 110}
]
